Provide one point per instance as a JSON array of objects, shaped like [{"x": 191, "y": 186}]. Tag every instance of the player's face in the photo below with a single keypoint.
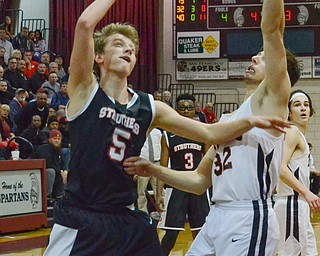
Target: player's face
[
  {"x": 255, "y": 73},
  {"x": 119, "y": 55},
  {"x": 299, "y": 110},
  {"x": 186, "y": 108}
]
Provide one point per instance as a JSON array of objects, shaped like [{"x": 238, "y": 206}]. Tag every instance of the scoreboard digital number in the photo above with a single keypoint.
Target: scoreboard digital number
[
  {"x": 204, "y": 15},
  {"x": 238, "y": 24}
]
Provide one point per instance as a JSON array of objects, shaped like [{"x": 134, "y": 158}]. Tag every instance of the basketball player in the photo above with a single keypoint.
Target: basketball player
[
  {"x": 245, "y": 170},
  {"x": 183, "y": 154},
  {"x": 291, "y": 206},
  {"x": 109, "y": 122}
]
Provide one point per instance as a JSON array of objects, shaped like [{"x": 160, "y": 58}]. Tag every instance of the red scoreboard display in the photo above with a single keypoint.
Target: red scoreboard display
[{"x": 239, "y": 20}]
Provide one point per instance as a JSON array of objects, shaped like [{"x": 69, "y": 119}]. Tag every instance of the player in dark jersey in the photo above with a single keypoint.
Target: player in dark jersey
[
  {"x": 109, "y": 122},
  {"x": 183, "y": 154}
]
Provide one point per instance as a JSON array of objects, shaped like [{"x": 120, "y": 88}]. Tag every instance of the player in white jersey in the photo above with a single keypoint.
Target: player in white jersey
[
  {"x": 291, "y": 207},
  {"x": 246, "y": 170}
]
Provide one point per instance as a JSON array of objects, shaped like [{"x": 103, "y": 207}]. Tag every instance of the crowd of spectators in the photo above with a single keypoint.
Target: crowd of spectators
[{"x": 33, "y": 96}]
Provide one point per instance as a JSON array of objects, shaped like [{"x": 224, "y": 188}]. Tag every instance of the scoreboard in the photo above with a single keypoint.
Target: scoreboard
[{"x": 238, "y": 24}]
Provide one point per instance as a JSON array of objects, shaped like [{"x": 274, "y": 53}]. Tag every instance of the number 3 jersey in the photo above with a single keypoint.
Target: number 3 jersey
[
  {"x": 248, "y": 167},
  {"x": 184, "y": 154},
  {"x": 103, "y": 134}
]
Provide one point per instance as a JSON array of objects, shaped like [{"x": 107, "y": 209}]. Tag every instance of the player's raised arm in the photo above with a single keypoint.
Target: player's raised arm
[{"x": 81, "y": 78}]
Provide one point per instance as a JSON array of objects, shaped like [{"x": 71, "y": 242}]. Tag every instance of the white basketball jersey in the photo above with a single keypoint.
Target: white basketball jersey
[
  {"x": 299, "y": 166},
  {"x": 248, "y": 167}
]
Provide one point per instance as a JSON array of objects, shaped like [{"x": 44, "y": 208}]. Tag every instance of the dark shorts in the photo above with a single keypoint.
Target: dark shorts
[
  {"x": 85, "y": 232},
  {"x": 182, "y": 204}
]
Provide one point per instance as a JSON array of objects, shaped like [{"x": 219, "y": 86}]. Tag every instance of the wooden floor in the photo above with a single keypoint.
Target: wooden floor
[{"x": 33, "y": 243}]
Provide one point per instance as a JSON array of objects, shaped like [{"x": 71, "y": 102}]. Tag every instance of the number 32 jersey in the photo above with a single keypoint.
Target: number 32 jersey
[
  {"x": 248, "y": 167},
  {"x": 103, "y": 135}
]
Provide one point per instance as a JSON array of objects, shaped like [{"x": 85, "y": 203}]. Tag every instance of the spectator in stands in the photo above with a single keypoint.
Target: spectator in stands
[
  {"x": 198, "y": 115},
  {"x": 16, "y": 53},
  {"x": 6, "y": 125},
  {"x": 54, "y": 67},
  {"x": 51, "y": 124},
  {"x": 314, "y": 174},
  {"x": 65, "y": 145},
  {"x": 12, "y": 75},
  {"x": 38, "y": 107},
  {"x": 31, "y": 65},
  {"x": 22, "y": 41},
  {"x": 167, "y": 98},
  {"x": 34, "y": 134},
  {"x": 61, "y": 99},
  {"x": 39, "y": 43},
  {"x": 60, "y": 113},
  {"x": 51, "y": 85},
  {"x": 51, "y": 152},
  {"x": 52, "y": 112},
  {"x": 8, "y": 27},
  {"x": 38, "y": 78},
  {"x": 2, "y": 53},
  {"x": 5, "y": 44},
  {"x": 16, "y": 105},
  {"x": 157, "y": 95},
  {"x": 4, "y": 96},
  {"x": 22, "y": 80},
  {"x": 45, "y": 58},
  {"x": 209, "y": 114},
  {"x": 59, "y": 60},
  {"x": 66, "y": 77},
  {"x": 32, "y": 36}
]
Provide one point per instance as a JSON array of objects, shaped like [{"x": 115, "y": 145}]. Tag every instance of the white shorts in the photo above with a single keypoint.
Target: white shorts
[
  {"x": 296, "y": 232},
  {"x": 238, "y": 229}
]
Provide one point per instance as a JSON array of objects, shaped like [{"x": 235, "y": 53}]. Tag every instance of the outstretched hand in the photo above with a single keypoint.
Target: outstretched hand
[
  {"x": 139, "y": 166},
  {"x": 267, "y": 122},
  {"x": 313, "y": 201}
]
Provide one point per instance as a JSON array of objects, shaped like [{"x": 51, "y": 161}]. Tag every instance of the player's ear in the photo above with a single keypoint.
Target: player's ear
[{"x": 98, "y": 58}]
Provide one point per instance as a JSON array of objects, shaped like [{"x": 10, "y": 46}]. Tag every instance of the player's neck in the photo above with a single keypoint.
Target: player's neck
[{"x": 116, "y": 88}]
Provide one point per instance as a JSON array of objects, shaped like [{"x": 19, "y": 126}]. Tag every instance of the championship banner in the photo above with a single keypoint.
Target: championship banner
[{"x": 202, "y": 69}]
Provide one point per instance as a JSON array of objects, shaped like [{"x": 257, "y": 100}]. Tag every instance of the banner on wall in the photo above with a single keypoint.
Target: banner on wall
[
  {"x": 202, "y": 69},
  {"x": 316, "y": 67},
  {"x": 20, "y": 192},
  {"x": 196, "y": 45},
  {"x": 237, "y": 68},
  {"x": 305, "y": 64}
]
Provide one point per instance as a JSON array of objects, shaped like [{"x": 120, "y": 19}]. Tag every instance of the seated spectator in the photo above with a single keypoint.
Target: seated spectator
[
  {"x": 36, "y": 107},
  {"x": 8, "y": 27},
  {"x": 51, "y": 85},
  {"x": 209, "y": 114},
  {"x": 51, "y": 152},
  {"x": 12, "y": 75},
  {"x": 16, "y": 53},
  {"x": 16, "y": 105},
  {"x": 4, "y": 95},
  {"x": 6, "y": 44},
  {"x": 22, "y": 41},
  {"x": 198, "y": 115},
  {"x": 167, "y": 98},
  {"x": 31, "y": 65},
  {"x": 34, "y": 134},
  {"x": 65, "y": 146},
  {"x": 22, "y": 79},
  {"x": 61, "y": 99},
  {"x": 66, "y": 77},
  {"x": 59, "y": 60},
  {"x": 157, "y": 95},
  {"x": 2, "y": 53},
  {"x": 45, "y": 58},
  {"x": 38, "y": 78},
  {"x": 60, "y": 113},
  {"x": 39, "y": 44},
  {"x": 51, "y": 125},
  {"x": 6, "y": 128}
]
